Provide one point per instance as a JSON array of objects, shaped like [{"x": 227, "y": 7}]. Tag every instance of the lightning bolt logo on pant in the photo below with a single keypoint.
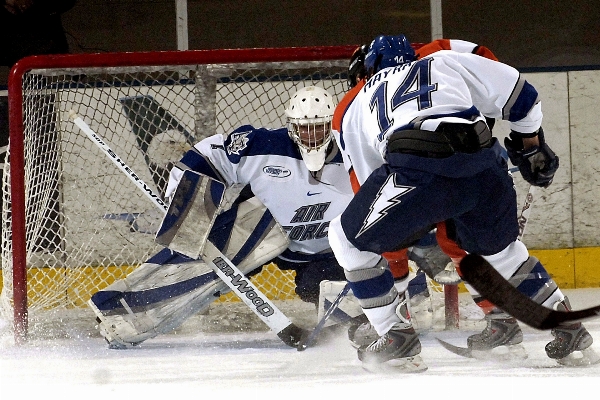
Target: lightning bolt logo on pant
[{"x": 387, "y": 197}]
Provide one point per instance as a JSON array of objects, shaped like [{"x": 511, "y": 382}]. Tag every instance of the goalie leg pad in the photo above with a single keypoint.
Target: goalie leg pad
[
  {"x": 154, "y": 299},
  {"x": 348, "y": 308},
  {"x": 170, "y": 287}
]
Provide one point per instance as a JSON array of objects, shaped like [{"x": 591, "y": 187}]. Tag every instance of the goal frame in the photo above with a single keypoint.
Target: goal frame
[{"x": 128, "y": 59}]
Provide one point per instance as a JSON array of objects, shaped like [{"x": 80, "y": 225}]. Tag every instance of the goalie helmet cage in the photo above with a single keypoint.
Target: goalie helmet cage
[{"x": 72, "y": 223}]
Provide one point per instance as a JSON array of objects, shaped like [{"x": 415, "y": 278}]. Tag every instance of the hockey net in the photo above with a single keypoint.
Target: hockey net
[{"x": 72, "y": 223}]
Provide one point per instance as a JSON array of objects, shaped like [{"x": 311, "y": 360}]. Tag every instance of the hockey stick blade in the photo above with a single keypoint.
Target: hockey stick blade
[
  {"x": 460, "y": 351},
  {"x": 292, "y": 335},
  {"x": 491, "y": 285},
  {"x": 509, "y": 353},
  {"x": 310, "y": 338}
]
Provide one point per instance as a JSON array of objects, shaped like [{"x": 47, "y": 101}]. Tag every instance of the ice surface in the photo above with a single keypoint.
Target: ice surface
[{"x": 200, "y": 363}]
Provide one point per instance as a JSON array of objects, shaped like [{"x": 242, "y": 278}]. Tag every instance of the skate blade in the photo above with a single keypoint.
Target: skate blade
[
  {"x": 406, "y": 365},
  {"x": 515, "y": 352},
  {"x": 581, "y": 358}
]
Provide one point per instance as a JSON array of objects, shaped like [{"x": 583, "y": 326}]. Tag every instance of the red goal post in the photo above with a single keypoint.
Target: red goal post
[{"x": 71, "y": 224}]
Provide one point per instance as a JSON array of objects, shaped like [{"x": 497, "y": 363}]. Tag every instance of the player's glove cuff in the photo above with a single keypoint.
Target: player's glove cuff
[{"x": 537, "y": 164}]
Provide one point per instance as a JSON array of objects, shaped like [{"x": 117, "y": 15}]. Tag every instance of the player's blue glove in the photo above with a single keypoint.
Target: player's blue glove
[{"x": 537, "y": 164}]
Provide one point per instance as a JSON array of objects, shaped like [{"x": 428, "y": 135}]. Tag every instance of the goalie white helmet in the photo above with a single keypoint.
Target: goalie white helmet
[{"x": 309, "y": 116}]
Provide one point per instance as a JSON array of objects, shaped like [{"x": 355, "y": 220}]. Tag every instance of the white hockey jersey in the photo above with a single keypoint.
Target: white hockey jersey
[
  {"x": 271, "y": 164},
  {"x": 446, "y": 86}
]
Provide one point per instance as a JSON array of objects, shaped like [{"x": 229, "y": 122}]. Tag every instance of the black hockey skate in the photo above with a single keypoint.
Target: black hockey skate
[
  {"x": 500, "y": 340},
  {"x": 397, "y": 350},
  {"x": 572, "y": 344}
]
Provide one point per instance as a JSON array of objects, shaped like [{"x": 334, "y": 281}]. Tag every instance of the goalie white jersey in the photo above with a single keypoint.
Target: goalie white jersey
[{"x": 270, "y": 162}]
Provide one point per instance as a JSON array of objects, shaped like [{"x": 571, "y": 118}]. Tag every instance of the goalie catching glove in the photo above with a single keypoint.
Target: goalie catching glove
[{"x": 537, "y": 164}]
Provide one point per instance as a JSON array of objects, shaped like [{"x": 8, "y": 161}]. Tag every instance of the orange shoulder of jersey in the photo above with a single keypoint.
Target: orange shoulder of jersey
[
  {"x": 432, "y": 47},
  {"x": 456, "y": 45},
  {"x": 485, "y": 52}
]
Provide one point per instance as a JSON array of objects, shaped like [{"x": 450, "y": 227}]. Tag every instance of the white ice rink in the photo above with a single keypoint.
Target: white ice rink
[{"x": 258, "y": 365}]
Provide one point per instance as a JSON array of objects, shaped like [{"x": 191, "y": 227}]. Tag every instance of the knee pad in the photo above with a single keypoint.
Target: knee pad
[{"x": 374, "y": 286}]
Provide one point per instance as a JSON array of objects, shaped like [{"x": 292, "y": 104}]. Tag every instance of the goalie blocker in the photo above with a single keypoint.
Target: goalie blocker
[{"x": 170, "y": 287}]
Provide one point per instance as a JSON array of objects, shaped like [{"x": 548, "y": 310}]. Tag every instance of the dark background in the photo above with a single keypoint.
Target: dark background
[{"x": 520, "y": 32}]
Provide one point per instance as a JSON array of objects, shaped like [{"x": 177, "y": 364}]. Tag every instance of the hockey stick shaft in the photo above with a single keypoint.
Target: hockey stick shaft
[
  {"x": 223, "y": 267},
  {"x": 490, "y": 284},
  {"x": 526, "y": 211},
  {"x": 304, "y": 343},
  {"x": 148, "y": 192}
]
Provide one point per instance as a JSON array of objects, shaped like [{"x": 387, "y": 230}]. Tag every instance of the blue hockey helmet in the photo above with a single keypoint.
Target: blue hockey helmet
[{"x": 388, "y": 51}]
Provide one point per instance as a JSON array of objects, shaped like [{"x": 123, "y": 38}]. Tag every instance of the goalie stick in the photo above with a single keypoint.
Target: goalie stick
[{"x": 289, "y": 333}]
